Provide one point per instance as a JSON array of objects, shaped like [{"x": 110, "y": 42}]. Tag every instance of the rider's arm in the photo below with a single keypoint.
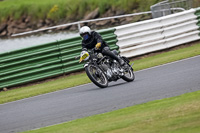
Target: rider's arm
[
  {"x": 98, "y": 38},
  {"x": 84, "y": 48}
]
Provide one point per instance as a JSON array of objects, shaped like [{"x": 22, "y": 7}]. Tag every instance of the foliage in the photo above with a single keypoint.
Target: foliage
[{"x": 67, "y": 9}]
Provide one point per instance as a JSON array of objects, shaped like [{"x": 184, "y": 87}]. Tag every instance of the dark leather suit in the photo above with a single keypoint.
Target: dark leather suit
[{"x": 104, "y": 49}]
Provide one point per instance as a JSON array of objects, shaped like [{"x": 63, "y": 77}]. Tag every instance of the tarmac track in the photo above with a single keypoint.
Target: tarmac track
[{"x": 150, "y": 84}]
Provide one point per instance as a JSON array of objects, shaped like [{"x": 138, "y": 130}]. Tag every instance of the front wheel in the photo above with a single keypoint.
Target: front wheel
[
  {"x": 96, "y": 75},
  {"x": 129, "y": 75}
]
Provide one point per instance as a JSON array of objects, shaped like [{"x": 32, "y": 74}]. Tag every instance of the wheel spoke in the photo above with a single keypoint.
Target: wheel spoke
[
  {"x": 129, "y": 75},
  {"x": 97, "y": 74}
]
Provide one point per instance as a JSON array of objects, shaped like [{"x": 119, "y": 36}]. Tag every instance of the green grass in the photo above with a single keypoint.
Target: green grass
[
  {"x": 67, "y": 9},
  {"x": 78, "y": 79},
  {"x": 76, "y": 9},
  {"x": 180, "y": 114},
  {"x": 167, "y": 57}
]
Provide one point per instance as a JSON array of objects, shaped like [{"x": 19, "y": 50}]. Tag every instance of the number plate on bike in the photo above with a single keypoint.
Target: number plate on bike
[{"x": 85, "y": 56}]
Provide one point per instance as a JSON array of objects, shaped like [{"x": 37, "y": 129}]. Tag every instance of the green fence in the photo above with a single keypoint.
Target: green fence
[
  {"x": 44, "y": 61},
  {"x": 197, "y": 13}
]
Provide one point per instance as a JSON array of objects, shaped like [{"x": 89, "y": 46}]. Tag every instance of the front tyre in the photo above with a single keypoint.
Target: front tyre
[
  {"x": 96, "y": 75},
  {"x": 129, "y": 75}
]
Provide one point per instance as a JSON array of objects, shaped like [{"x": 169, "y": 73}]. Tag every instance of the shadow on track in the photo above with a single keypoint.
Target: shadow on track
[{"x": 113, "y": 85}]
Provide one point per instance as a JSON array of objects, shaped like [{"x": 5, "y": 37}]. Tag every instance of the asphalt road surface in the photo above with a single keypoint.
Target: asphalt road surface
[{"x": 151, "y": 84}]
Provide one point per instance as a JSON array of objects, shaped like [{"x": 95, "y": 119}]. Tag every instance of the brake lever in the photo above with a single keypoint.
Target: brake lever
[{"x": 77, "y": 57}]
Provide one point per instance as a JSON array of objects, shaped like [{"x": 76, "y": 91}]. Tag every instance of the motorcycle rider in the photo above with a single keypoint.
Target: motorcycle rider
[{"x": 92, "y": 39}]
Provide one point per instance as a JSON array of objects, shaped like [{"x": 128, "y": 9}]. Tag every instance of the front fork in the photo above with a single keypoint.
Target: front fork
[{"x": 132, "y": 64}]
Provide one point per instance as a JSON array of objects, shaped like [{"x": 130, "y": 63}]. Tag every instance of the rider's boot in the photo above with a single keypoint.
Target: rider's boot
[{"x": 121, "y": 62}]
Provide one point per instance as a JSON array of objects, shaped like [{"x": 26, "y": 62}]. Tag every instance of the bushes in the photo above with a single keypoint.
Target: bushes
[{"x": 67, "y": 9}]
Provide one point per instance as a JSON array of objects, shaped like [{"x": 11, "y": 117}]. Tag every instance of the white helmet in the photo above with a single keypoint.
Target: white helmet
[{"x": 85, "y": 29}]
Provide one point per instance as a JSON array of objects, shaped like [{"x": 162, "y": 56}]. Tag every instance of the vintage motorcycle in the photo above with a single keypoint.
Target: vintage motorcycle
[{"x": 102, "y": 69}]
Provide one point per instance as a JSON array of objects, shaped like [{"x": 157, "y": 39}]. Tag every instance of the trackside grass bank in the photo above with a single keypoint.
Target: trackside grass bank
[
  {"x": 180, "y": 114},
  {"x": 70, "y": 9},
  {"x": 67, "y": 9},
  {"x": 79, "y": 79}
]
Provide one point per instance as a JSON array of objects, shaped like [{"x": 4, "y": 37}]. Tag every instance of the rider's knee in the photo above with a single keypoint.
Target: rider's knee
[{"x": 105, "y": 49}]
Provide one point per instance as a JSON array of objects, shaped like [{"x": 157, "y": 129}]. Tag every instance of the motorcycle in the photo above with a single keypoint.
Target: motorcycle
[{"x": 102, "y": 69}]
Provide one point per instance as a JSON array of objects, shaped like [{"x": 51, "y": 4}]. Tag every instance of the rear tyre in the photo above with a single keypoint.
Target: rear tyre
[{"x": 96, "y": 75}]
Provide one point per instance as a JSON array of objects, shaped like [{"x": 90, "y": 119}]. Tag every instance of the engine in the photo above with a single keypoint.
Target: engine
[{"x": 111, "y": 69}]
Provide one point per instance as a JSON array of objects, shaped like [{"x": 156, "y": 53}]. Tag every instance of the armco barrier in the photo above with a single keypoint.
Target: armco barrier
[
  {"x": 43, "y": 61},
  {"x": 57, "y": 58},
  {"x": 197, "y": 13},
  {"x": 157, "y": 34}
]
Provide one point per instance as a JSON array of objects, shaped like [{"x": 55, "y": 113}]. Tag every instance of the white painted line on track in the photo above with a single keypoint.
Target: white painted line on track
[{"x": 46, "y": 94}]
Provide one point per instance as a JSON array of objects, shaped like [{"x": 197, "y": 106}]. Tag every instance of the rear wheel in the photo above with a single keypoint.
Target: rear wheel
[{"x": 96, "y": 75}]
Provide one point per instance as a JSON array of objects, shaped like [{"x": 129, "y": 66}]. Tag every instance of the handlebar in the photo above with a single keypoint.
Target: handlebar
[
  {"x": 91, "y": 51},
  {"x": 77, "y": 57}
]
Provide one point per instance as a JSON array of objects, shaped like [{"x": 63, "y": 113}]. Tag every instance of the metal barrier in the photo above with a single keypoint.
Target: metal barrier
[
  {"x": 81, "y": 22},
  {"x": 57, "y": 58},
  {"x": 197, "y": 13},
  {"x": 157, "y": 10},
  {"x": 43, "y": 61},
  {"x": 157, "y": 34},
  {"x": 166, "y": 8}
]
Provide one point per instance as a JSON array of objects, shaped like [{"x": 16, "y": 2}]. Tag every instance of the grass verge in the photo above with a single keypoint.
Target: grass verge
[
  {"x": 180, "y": 114},
  {"x": 75, "y": 80},
  {"x": 70, "y": 9}
]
